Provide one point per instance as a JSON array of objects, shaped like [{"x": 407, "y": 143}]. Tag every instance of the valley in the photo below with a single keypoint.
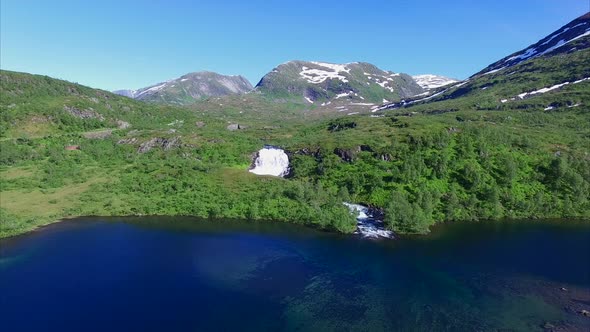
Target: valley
[{"x": 508, "y": 142}]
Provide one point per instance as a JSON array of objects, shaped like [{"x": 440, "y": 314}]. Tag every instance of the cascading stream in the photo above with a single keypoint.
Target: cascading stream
[
  {"x": 367, "y": 225},
  {"x": 271, "y": 161}
]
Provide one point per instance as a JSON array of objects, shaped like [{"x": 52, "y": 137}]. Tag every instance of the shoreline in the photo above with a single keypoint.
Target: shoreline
[{"x": 432, "y": 229}]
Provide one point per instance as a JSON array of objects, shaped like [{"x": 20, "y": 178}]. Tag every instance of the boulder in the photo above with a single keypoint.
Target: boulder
[
  {"x": 123, "y": 124},
  {"x": 347, "y": 154},
  {"x": 350, "y": 154}
]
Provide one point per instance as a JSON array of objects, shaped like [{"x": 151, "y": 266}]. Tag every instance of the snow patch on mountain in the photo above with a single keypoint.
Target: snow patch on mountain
[
  {"x": 410, "y": 102},
  {"x": 342, "y": 95},
  {"x": 333, "y": 66},
  {"x": 537, "y": 51},
  {"x": 429, "y": 81},
  {"x": 151, "y": 89},
  {"x": 316, "y": 76},
  {"x": 543, "y": 90}
]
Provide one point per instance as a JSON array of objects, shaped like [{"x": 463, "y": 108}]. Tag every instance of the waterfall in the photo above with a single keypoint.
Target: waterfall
[
  {"x": 367, "y": 225},
  {"x": 271, "y": 161}
]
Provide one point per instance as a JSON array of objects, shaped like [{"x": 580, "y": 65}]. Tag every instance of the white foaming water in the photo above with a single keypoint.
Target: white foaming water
[
  {"x": 367, "y": 225},
  {"x": 271, "y": 161},
  {"x": 362, "y": 210}
]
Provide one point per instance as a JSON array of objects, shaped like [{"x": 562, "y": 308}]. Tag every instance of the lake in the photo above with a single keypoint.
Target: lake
[{"x": 184, "y": 274}]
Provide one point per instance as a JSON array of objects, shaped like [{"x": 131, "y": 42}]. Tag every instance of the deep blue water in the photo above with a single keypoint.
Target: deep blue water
[{"x": 181, "y": 274}]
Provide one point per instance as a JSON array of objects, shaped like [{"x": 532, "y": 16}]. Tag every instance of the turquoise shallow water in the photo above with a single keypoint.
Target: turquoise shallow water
[{"x": 183, "y": 274}]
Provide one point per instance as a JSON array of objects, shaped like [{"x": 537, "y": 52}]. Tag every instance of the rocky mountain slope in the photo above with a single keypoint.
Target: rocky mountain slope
[
  {"x": 322, "y": 83},
  {"x": 189, "y": 88}
]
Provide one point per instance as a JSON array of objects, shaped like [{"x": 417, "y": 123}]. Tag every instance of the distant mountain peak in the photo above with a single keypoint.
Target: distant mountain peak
[{"x": 190, "y": 87}]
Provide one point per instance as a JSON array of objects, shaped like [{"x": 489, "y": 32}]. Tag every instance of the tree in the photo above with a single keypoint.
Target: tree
[{"x": 405, "y": 217}]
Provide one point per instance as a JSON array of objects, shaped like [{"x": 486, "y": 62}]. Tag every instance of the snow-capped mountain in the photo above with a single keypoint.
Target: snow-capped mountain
[
  {"x": 569, "y": 38},
  {"x": 190, "y": 87},
  {"x": 321, "y": 82},
  {"x": 429, "y": 81}
]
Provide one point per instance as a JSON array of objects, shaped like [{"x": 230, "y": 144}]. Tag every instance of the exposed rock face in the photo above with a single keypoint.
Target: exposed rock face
[
  {"x": 84, "y": 114},
  {"x": 159, "y": 142},
  {"x": 349, "y": 155},
  {"x": 316, "y": 153}
]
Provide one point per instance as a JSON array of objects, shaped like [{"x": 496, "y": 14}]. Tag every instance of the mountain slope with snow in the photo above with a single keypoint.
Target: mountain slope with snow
[
  {"x": 325, "y": 82},
  {"x": 429, "y": 81},
  {"x": 189, "y": 88},
  {"x": 559, "y": 64},
  {"x": 572, "y": 37}
]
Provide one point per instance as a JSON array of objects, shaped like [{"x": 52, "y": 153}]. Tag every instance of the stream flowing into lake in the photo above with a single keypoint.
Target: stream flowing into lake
[{"x": 186, "y": 274}]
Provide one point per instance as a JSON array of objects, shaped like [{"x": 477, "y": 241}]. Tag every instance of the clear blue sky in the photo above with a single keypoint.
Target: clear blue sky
[{"x": 131, "y": 44}]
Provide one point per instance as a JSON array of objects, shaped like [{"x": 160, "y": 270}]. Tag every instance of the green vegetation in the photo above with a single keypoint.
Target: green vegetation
[{"x": 467, "y": 156}]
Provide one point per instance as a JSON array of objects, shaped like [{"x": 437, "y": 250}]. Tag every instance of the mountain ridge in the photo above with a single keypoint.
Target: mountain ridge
[
  {"x": 528, "y": 73},
  {"x": 560, "y": 41},
  {"x": 191, "y": 87}
]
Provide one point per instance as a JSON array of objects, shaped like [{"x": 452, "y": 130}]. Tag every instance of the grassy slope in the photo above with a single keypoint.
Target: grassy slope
[{"x": 456, "y": 159}]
